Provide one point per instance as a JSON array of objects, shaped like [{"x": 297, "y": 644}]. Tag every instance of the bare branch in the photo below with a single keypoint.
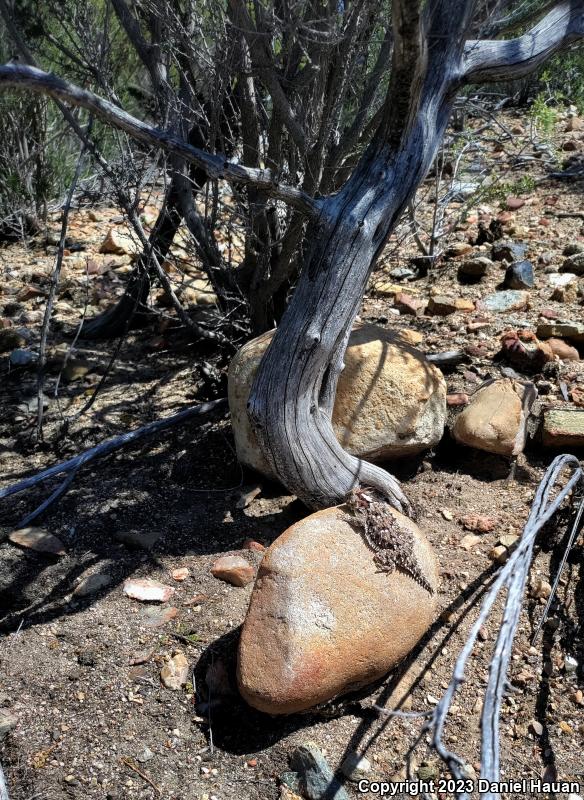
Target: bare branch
[
  {"x": 513, "y": 58},
  {"x": 218, "y": 167}
]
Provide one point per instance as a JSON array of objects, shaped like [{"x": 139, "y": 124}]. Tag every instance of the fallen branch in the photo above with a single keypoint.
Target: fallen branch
[
  {"x": 513, "y": 578},
  {"x": 3, "y": 786},
  {"x": 100, "y": 450}
]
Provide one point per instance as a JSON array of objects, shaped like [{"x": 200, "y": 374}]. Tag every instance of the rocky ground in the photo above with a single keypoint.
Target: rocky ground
[{"x": 104, "y": 695}]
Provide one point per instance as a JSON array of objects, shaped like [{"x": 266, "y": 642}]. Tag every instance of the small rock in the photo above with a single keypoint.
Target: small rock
[
  {"x": 519, "y": 275},
  {"x": 408, "y": 336},
  {"x": 408, "y": 304},
  {"x": 138, "y": 540},
  {"x": 233, "y": 569},
  {"x": 508, "y": 540},
  {"x": 561, "y": 330},
  {"x": 247, "y": 497},
  {"x": 145, "y": 756},
  {"x": 540, "y": 589},
  {"x": 441, "y": 306},
  {"x": 570, "y": 665},
  {"x": 563, "y": 350},
  {"x": 38, "y": 539},
  {"x": 154, "y": 617},
  {"x": 574, "y": 124},
  {"x": 355, "y": 767},
  {"x": 574, "y": 264},
  {"x": 457, "y": 399},
  {"x": 251, "y": 544},
  {"x": 7, "y": 722},
  {"x": 536, "y": 727},
  {"x": 175, "y": 673},
  {"x": 147, "y": 590},
  {"x": 514, "y": 203},
  {"x": 563, "y": 428},
  {"x": 180, "y": 574},
  {"x": 506, "y": 300},
  {"x": 508, "y": 251},
  {"x": 317, "y": 780},
  {"x": 475, "y": 268},
  {"x": 10, "y": 339},
  {"x": 478, "y": 523},
  {"x": 495, "y": 418},
  {"x": 22, "y": 358},
  {"x": 559, "y": 280},
  {"x": 469, "y": 541},
  {"x": 120, "y": 243},
  {"x": 499, "y": 554},
  {"x": 573, "y": 249},
  {"x": 92, "y": 584},
  {"x": 447, "y": 514},
  {"x": 402, "y": 273}
]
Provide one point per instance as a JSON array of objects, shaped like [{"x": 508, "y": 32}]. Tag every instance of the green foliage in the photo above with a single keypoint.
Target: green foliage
[
  {"x": 497, "y": 192},
  {"x": 543, "y": 115}
]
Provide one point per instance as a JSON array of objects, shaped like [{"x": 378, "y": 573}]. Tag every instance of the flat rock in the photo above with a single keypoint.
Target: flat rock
[
  {"x": 175, "y": 673},
  {"x": 390, "y": 401},
  {"x": 156, "y": 616},
  {"x": 563, "y": 428},
  {"x": 147, "y": 590},
  {"x": 234, "y": 570},
  {"x": 561, "y": 330},
  {"x": 494, "y": 420},
  {"x": 559, "y": 280},
  {"x": 323, "y": 620},
  {"x": 138, "y": 540},
  {"x": 508, "y": 251},
  {"x": 92, "y": 584},
  {"x": 38, "y": 539},
  {"x": 506, "y": 300}
]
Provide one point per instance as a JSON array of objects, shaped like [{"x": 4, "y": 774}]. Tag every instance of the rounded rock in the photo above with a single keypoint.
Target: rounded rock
[
  {"x": 390, "y": 402},
  {"x": 323, "y": 620}
]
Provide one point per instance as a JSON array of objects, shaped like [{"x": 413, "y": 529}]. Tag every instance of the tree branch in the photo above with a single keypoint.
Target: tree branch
[
  {"x": 504, "y": 60},
  {"x": 217, "y": 167}
]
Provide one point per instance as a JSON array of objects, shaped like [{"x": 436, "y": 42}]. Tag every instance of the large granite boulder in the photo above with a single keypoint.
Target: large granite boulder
[
  {"x": 323, "y": 620},
  {"x": 390, "y": 401}
]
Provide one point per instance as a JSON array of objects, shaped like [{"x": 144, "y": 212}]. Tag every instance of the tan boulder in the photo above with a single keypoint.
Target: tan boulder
[
  {"x": 495, "y": 419},
  {"x": 323, "y": 620},
  {"x": 120, "y": 242},
  {"x": 390, "y": 401}
]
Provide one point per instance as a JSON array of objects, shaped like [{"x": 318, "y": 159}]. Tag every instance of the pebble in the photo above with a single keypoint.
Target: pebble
[
  {"x": 92, "y": 584},
  {"x": 469, "y": 541},
  {"x": 536, "y": 727},
  {"x": 154, "y": 617},
  {"x": 234, "y": 570},
  {"x": 570, "y": 665},
  {"x": 22, "y": 358},
  {"x": 508, "y": 251},
  {"x": 174, "y": 674},
  {"x": 38, "y": 539},
  {"x": 180, "y": 574},
  {"x": 147, "y": 590},
  {"x": 478, "y": 523},
  {"x": 355, "y": 766},
  {"x": 499, "y": 554},
  {"x": 475, "y": 268},
  {"x": 561, "y": 330},
  {"x": 316, "y": 778}
]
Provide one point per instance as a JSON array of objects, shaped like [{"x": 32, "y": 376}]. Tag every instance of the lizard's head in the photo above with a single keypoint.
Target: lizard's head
[{"x": 359, "y": 498}]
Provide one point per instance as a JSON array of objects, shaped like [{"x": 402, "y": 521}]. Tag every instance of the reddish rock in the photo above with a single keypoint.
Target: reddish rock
[
  {"x": 251, "y": 544},
  {"x": 457, "y": 399},
  {"x": 38, "y": 539},
  {"x": 549, "y": 313},
  {"x": 563, "y": 350},
  {"x": 514, "y": 203},
  {"x": 180, "y": 574},
  {"x": 441, "y": 305},
  {"x": 408, "y": 304},
  {"x": 319, "y": 627},
  {"x": 234, "y": 570},
  {"x": 477, "y": 523}
]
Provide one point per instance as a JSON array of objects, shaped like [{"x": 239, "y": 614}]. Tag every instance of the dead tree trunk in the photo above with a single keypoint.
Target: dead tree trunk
[{"x": 292, "y": 398}]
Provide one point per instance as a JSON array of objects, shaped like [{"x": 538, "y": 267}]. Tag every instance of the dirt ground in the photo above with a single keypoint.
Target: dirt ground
[{"x": 82, "y": 675}]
